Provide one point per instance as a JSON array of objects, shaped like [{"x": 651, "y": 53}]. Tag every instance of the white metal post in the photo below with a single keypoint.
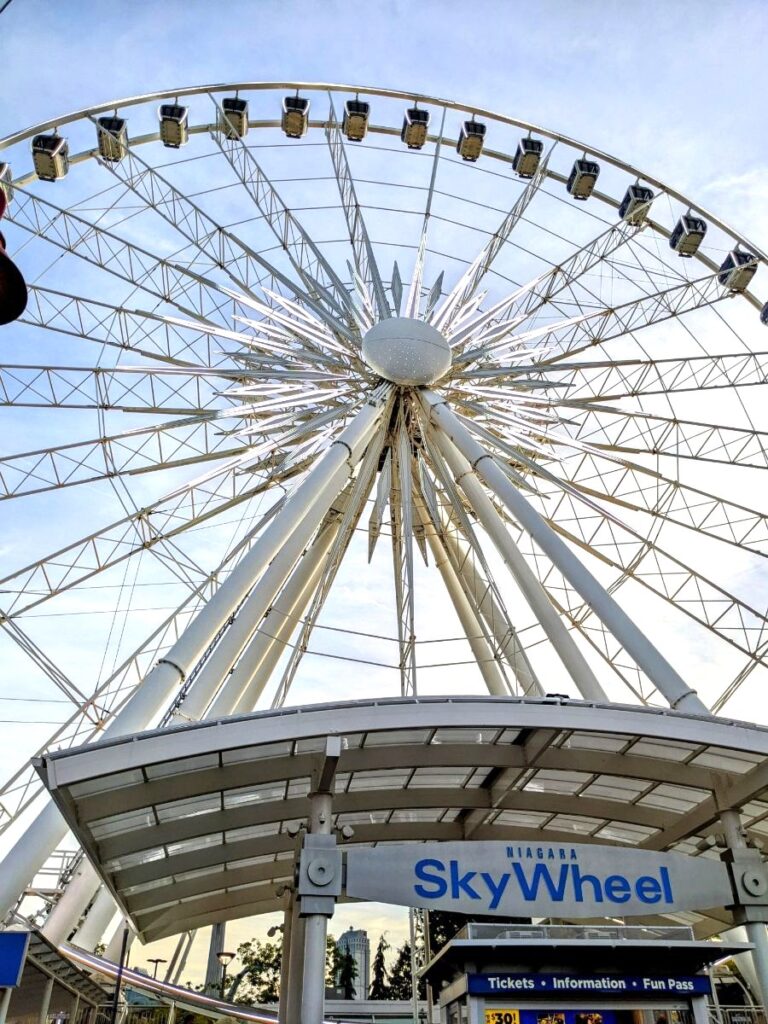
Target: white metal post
[
  {"x": 671, "y": 685},
  {"x": 756, "y": 930},
  {"x": 295, "y": 967},
  {"x": 46, "y": 1000},
  {"x": 289, "y": 900},
  {"x": 316, "y": 927},
  {"x": 5, "y": 1002}
]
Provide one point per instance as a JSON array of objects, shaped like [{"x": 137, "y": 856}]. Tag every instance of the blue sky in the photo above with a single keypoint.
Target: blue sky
[{"x": 677, "y": 89}]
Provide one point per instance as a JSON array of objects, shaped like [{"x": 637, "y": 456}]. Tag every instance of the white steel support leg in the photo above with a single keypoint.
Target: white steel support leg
[
  {"x": 494, "y": 617},
  {"x": 64, "y": 916},
  {"x": 671, "y": 685},
  {"x": 92, "y": 930},
  {"x": 469, "y": 623},
  {"x": 237, "y": 689},
  {"x": 532, "y": 590},
  {"x": 30, "y": 852},
  {"x": 254, "y": 669},
  {"x": 316, "y": 927}
]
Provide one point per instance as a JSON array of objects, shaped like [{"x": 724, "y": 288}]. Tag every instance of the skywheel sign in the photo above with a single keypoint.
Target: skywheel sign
[{"x": 519, "y": 879}]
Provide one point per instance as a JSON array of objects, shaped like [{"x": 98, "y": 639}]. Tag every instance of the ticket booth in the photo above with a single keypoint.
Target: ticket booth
[{"x": 566, "y": 974}]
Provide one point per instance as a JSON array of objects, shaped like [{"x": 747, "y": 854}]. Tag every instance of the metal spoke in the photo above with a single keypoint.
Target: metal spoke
[
  {"x": 141, "y": 333},
  {"x": 310, "y": 264},
  {"x": 191, "y": 293},
  {"x": 169, "y": 445},
  {"x": 175, "y": 391},
  {"x": 401, "y": 510},
  {"x": 467, "y": 285},
  {"x": 633, "y": 433},
  {"x": 365, "y": 259}
]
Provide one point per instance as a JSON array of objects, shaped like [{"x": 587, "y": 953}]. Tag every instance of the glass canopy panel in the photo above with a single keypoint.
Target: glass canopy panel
[
  {"x": 183, "y": 765},
  {"x": 395, "y": 778},
  {"x": 196, "y": 843},
  {"x": 119, "y": 823},
  {"x": 464, "y": 736},
  {"x": 266, "y": 792},
  {"x": 546, "y": 781},
  {"x": 726, "y": 760},
  {"x": 438, "y": 778},
  {"x": 177, "y": 809},
  {"x": 614, "y": 787},
  {"x": 597, "y": 741},
  {"x": 666, "y": 751},
  {"x": 104, "y": 783},
  {"x": 574, "y": 823},
  {"x": 396, "y": 738},
  {"x": 261, "y": 752},
  {"x": 673, "y": 798},
  {"x": 422, "y": 814},
  {"x": 521, "y": 819}
]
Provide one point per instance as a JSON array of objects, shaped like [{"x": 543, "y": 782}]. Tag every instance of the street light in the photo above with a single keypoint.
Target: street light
[
  {"x": 225, "y": 959},
  {"x": 156, "y": 961}
]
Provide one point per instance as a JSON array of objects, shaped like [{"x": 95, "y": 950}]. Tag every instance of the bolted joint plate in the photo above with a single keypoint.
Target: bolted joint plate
[
  {"x": 319, "y": 875},
  {"x": 749, "y": 881}
]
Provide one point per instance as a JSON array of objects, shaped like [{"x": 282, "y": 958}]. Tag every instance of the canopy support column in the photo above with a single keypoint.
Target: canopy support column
[
  {"x": 319, "y": 872},
  {"x": 756, "y": 930}
]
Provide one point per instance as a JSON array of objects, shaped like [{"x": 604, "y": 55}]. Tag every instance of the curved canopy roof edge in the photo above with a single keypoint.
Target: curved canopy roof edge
[{"x": 191, "y": 824}]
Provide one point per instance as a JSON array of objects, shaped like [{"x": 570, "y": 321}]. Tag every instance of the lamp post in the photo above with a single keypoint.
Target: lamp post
[
  {"x": 225, "y": 959},
  {"x": 156, "y": 961}
]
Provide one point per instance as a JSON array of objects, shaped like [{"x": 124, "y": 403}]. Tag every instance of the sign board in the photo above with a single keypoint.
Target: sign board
[
  {"x": 13, "y": 952},
  {"x": 567, "y": 985},
  {"x": 513, "y": 1015},
  {"x": 521, "y": 879}
]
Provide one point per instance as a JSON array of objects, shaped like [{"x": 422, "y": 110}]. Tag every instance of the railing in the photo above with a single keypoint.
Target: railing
[
  {"x": 736, "y": 1014},
  {"x": 508, "y": 930}
]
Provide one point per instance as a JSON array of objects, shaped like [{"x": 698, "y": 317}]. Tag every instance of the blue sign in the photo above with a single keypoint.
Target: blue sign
[
  {"x": 13, "y": 952},
  {"x": 564, "y": 985}
]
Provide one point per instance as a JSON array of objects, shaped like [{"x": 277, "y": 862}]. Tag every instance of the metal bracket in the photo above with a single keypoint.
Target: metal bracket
[
  {"x": 749, "y": 882},
  {"x": 319, "y": 881}
]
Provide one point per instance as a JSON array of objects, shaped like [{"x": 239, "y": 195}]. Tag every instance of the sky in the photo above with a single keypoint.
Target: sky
[{"x": 675, "y": 88}]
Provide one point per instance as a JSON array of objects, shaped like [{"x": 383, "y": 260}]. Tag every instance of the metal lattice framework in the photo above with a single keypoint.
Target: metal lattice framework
[{"x": 585, "y": 483}]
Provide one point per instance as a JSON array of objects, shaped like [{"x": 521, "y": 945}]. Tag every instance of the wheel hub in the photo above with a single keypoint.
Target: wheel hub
[{"x": 407, "y": 351}]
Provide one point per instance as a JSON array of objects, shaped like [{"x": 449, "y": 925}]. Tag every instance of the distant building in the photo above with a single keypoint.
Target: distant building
[{"x": 356, "y": 942}]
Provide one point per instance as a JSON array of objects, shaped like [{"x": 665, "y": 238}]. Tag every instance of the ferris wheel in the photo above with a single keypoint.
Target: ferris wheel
[{"x": 328, "y": 389}]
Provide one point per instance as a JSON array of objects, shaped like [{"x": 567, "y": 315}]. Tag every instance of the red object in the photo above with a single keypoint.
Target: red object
[{"x": 13, "y": 290}]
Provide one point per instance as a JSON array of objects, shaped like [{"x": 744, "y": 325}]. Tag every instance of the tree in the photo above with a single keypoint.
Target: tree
[
  {"x": 400, "y": 986},
  {"x": 261, "y": 971},
  {"x": 379, "y": 983},
  {"x": 347, "y": 972},
  {"x": 332, "y": 961}
]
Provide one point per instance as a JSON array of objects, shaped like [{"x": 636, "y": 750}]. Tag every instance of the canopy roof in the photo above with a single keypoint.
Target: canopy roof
[{"x": 190, "y": 825}]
